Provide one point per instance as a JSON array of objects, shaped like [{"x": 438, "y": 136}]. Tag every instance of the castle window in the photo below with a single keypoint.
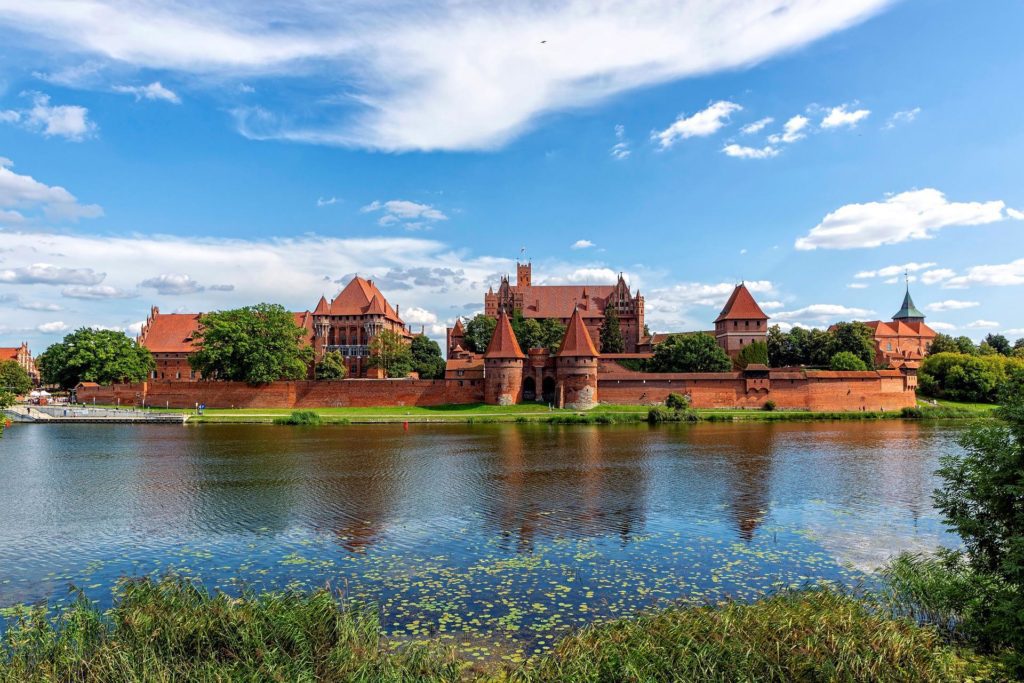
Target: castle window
[
  {"x": 746, "y": 323},
  {"x": 888, "y": 347},
  {"x": 735, "y": 323}
]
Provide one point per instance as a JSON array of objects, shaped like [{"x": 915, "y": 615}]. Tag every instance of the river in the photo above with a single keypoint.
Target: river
[{"x": 495, "y": 537}]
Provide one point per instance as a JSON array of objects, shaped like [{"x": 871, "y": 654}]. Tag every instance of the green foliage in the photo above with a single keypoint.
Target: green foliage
[
  {"x": 943, "y": 343},
  {"x": 331, "y": 366},
  {"x": 755, "y": 353},
  {"x": 812, "y": 635},
  {"x": 14, "y": 378},
  {"x": 658, "y": 414},
  {"x": 966, "y": 345},
  {"x": 255, "y": 344},
  {"x": 689, "y": 353},
  {"x": 426, "y": 357},
  {"x": 390, "y": 352},
  {"x": 302, "y": 418},
  {"x": 611, "y": 332},
  {"x": 677, "y": 402},
  {"x": 856, "y": 338},
  {"x": 769, "y": 405},
  {"x": 845, "y": 360},
  {"x": 816, "y": 347},
  {"x": 553, "y": 331},
  {"x": 6, "y": 400},
  {"x": 999, "y": 343},
  {"x": 981, "y": 499},
  {"x": 479, "y": 331},
  {"x": 968, "y": 378},
  {"x": 89, "y": 355}
]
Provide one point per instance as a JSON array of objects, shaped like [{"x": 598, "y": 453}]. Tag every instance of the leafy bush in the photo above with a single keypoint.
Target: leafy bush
[
  {"x": 677, "y": 402},
  {"x": 969, "y": 378},
  {"x": 769, "y": 405},
  {"x": 911, "y": 412},
  {"x": 845, "y": 360},
  {"x": 664, "y": 414},
  {"x": 755, "y": 353},
  {"x": 300, "y": 418},
  {"x": 331, "y": 366}
]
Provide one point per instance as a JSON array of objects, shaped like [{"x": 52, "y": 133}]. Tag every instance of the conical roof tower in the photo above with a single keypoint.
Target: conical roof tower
[
  {"x": 577, "y": 341},
  {"x": 503, "y": 342}
]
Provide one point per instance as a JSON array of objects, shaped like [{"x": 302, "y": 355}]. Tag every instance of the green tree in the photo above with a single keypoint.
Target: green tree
[
  {"x": 255, "y": 344},
  {"x": 755, "y": 353},
  {"x": 331, "y": 366},
  {"x": 845, "y": 360},
  {"x": 14, "y": 378},
  {"x": 529, "y": 332},
  {"x": 998, "y": 342},
  {"x": 552, "y": 333},
  {"x": 6, "y": 401},
  {"x": 426, "y": 358},
  {"x": 1018, "y": 348},
  {"x": 962, "y": 377},
  {"x": 943, "y": 343},
  {"x": 390, "y": 352},
  {"x": 479, "y": 331},
  {"x": 980, "y": 500},
  {"x": 856, "y": 338},
  {"x": 697, "y": 352},
  {"x": 611, "y": 332},
  {"x": 89, "y": 355},
  {"x": 966, "y": 345}
]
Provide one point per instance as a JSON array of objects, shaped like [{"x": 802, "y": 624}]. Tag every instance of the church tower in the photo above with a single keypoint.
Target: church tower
[{"x": 908, "y": 312}]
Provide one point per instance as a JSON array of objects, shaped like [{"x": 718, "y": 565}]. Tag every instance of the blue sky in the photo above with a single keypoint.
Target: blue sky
[{"x": 197, "y": 158}]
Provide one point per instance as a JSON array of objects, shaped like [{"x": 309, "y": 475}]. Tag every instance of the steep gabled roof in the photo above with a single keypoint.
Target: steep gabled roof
[
  {"x": 375, "y": 307},
  {"x": 9, "y": 353},
  {"x": 458, "y": 330},
  {"x": 577, "y": 341},
  {"x": 741, "y": 306},
  {"x": 503, "y": 342},
  {"x": 356, "y": 298},
  {"x": 304, "y": 319},
  {"x": 170, "y": 332},
  {"x": 908, "y": 309},
  {"x": 322, "y": 307}
]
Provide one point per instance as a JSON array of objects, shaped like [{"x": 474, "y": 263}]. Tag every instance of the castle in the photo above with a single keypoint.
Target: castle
[{"x": 23, "y": 357}]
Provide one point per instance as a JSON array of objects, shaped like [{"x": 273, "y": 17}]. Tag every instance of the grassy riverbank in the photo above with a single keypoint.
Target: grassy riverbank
[
  {"x": 602, "y": 414},
  {"x": 173, "y": 630}
]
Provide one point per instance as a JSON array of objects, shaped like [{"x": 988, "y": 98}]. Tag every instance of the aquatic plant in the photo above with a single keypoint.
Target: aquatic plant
[{"x": 301, "y": 418}]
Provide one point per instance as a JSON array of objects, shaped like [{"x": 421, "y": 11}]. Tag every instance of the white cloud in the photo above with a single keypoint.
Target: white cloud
[
  {"x": 153, "y": 91},
  {"x": 856, "y": 285},
  {"x": 890, "y": 271},
  {"x": 952, "y": 305},
  {"x": 321, "y": 202},
  {"x": 792, "y": 130},
  {"x": 66, "y": 121},
  {"x": 582, "y": 244},
  {"x": 743, "y": 152},
  {"x": 982, "y": 325},
  {"x": 52, "y": 327},
  {"x": 172, "y": 284},
  {"x": 414, "y": 315},
  {"x": 941, "y": 327},
  {"x": 586, "y": 275},
  {"x": 841, "y": 116},
  {"x": 902, "y": 117},
  {"x": 911, "y": 215},
  {"x": 757, "y": 126},
  {"x": 445, "y": 76},
  {"x": 931, "y": 277},
  {"x": 94, "y": 292},
  {"x": 412, "y": 215},
  {"x": 24, "y": 194},
  {"x": 823, "y": 314},
  {"x": 705, "y": 122},
  {"x": 620, "y": 150},
  {"x": 771, "y": 305},
  {"x": 1015, "y": 214},
  {"x": 48, "y": 274},
  {"x": 39, "y": 306},
  {"x": 1000, "y": 275},
  {"x": 1014, "y": 331}
]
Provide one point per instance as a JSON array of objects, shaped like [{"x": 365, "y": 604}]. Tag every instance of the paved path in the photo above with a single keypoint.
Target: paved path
[{"x": 59, "y": 413}]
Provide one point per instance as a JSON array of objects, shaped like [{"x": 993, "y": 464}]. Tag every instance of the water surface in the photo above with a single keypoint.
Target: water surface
[{"x": 497, "y": 537}]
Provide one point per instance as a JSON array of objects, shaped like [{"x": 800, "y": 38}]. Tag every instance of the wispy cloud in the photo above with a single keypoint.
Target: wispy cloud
[
  {"x": 411, "y": 215},
  {"x": 620, "y": 150},
  {"x": 792, "y": 130},
  {"x": 902, "y": 117},
  {"x": 706, "y": 122},
  {"x": 757, "y": 126},
  {"x": 743, "y": 152},
  {"x": 22, "y": 198},
  {"x": 67, "y": 121},
  {"x": 153, "y": 91}
]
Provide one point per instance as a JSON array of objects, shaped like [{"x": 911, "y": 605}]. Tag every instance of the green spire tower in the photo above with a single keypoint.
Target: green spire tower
[{"x": 909, "y": 313}]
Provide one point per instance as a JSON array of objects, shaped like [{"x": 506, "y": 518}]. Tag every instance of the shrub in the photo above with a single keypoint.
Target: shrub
[
  {"x": 755, "y": 353},
  {"x": 677, "y": 402},
  {"x": 663, "y": 414},
  {"x": 912, "y": 412},
  {"x": 300, "y": 418},
  {"x": 769, "y": 405},
  {"x": 845, "y": 360}
]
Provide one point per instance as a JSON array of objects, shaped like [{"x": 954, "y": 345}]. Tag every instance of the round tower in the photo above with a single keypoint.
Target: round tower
[
  {"x": 503, "y": 366},
  {"x": 576, "y": 367}
]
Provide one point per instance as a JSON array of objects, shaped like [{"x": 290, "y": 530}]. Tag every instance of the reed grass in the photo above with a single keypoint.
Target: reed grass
[{"x": 302, "y": 418}]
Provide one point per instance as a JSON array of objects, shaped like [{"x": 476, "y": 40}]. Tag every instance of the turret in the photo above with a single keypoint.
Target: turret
[
  {"x": 503, "y": 366},
  {"x": 741, "y": 322},
  {"x": 576, "y": 367},
  {"x": 908, "y": 312}
]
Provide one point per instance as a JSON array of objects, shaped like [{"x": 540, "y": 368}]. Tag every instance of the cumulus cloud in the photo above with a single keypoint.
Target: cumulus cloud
[
  {"x": 702, "y": 124},
  {"x": 952, "y": 305},
  {"x": 52, "y": 327},
  {"x": 941, "y": 327},
  {"x": 744, "y": 152},
  {"x": 902, "y": 117},
  {"x": 95, "y": 292},
  {"x": 153, "y": 91},
  {"x": 792, "y": 130},
  {"x": 982, "y": 325},
  {"x": 415, "y": 315},
  {"x": 172, "y": 284},
  {"x": 582, "y": 244},
  {"x": 891, "y": 271},
  {"x": 823, "y": 314},
  {"x": 411, "y": 215},
  {"x": 931, "y": 277},
  {"x": 24, "y": 198},
  {"x": 999, "y": 275},
  {"x": 49, "y": 274},
  {"x": 67, "y": 121},
  {"x": 840, "y": 116},
  {"x": 620, "y": 150},
  {"x": 912, "y": 215},
  {"x": 757, "y": 126}
]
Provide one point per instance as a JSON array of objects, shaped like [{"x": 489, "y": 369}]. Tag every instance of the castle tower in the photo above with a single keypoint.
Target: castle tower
[
  {"x": 741, "y": 322},
  {"x": 321, "y": 327},
  {"x": 524, "y": 274},
  {"x": 503, "y": 366},
  {"x": 456, "y": 336},
  {"x": 908, "y": 312},
  {"x": 576, "y": 367}
]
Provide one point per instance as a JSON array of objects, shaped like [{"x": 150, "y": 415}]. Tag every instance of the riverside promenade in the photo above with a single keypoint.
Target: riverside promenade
[{"x": 61, "y": 414}]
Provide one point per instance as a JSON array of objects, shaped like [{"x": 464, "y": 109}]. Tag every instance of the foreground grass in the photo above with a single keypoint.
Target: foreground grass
[{"x": 172, "y": 630}]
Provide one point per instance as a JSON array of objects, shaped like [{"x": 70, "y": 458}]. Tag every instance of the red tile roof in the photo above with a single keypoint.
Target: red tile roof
[
  {"x": 559, "y": 301},
  {"x": 503, "y": 342},
  {"x": 322, "y": 307},
  {"x": 741, "y": 306},
  {"x": 458, "y": 330},
  {"x": 898, "y": 328},
  {"x": 577, "y": 341},
  {"x": 170, "y": 332},
  {"x": 9, "y": 353},
  {"x": 357, "y": 297}
]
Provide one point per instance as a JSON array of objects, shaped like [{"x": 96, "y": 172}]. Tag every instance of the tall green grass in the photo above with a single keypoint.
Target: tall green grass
[
  {"x": 173, "y": 630},
  {"x": 302, "y": 418}
]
